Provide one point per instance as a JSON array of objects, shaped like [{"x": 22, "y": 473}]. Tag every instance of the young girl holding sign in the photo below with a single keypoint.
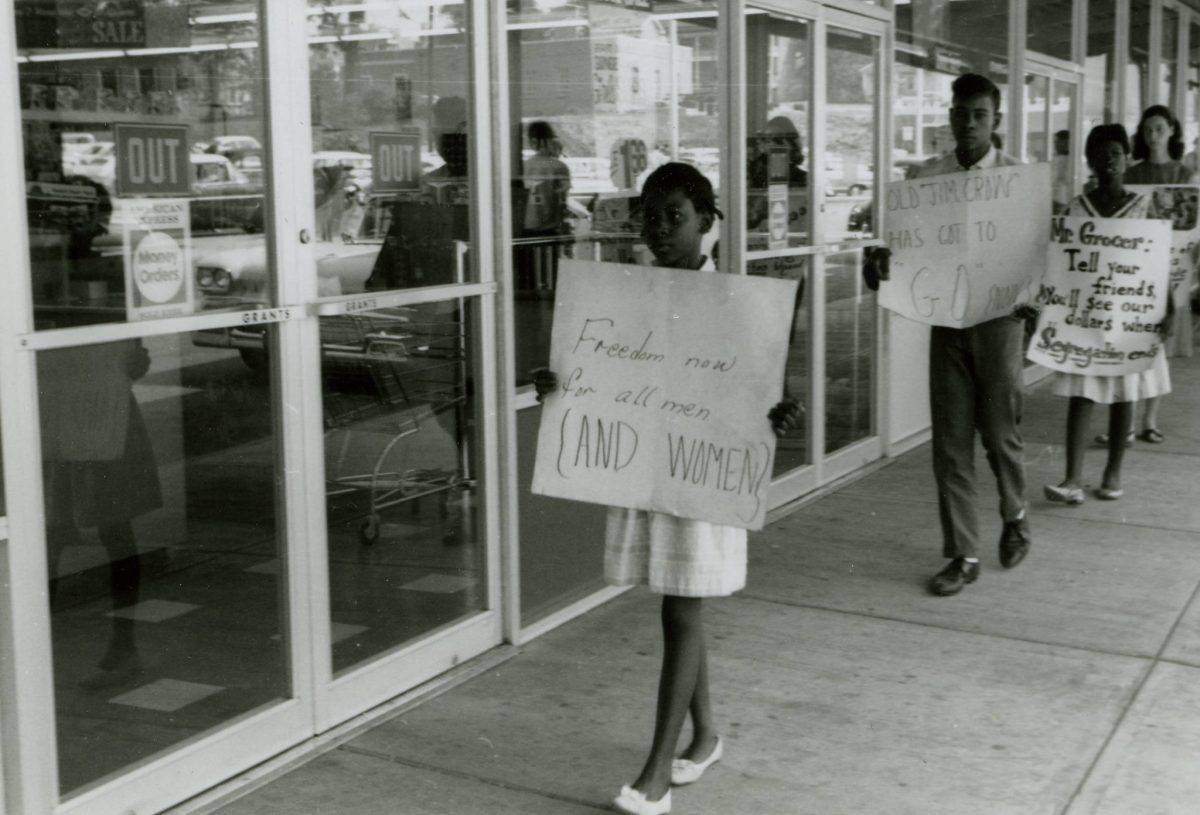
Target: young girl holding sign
[
  {"x": 684, "y": 560},
  {"x": 1107, "y": 152}
]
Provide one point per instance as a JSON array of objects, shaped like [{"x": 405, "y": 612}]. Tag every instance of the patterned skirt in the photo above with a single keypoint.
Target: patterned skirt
[
  {"x": 1154, "y": 381},
  {"x": 675, "y": 556}
]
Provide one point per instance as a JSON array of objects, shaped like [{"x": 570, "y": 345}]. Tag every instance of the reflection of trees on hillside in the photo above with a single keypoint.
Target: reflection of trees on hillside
[
  {"x": 845, "y": 77},
  {"x": 850, "y": 131}
]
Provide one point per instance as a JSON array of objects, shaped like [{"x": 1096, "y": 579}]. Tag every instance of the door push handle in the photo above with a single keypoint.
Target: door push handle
[{"x": 304, "y": 236}]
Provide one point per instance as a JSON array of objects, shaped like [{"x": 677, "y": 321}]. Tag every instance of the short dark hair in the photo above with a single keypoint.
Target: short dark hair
[
  {"x": 969, "y": 85},
  {"x": 675, "y": 175},
  {"x": 1101, "y": 135},
  {"x": 540, "y": 131},
  {"x": 1141, "y": 150}
]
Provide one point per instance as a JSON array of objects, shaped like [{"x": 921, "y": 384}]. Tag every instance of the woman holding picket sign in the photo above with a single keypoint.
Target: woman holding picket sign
[
  {"x": 1157, "y": 150},
  {"x": 1107, "y": 153}
]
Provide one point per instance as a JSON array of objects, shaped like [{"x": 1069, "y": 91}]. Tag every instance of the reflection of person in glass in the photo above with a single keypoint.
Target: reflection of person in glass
[
  {"x": 418, "y": 249},
  {"x": 68, "y": 221},
  {"x": 779, "y": 133},
  {"x": 99, "y": 472},
  {"x": 329, "y": 199},
  {"x": 548, "y": 180},
  {"x": 776, "y": 156},
  {"x": 450, "y": 139},
  {"x": 1060, "y": 164}
]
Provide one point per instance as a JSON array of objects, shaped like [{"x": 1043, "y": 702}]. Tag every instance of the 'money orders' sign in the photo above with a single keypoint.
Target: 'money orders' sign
[
  {"x": 158, "y": 263},
  {"x": 152, "y": 160},
  {"x": 967, "y": 246},
  {"x": 665, "y": 380}
]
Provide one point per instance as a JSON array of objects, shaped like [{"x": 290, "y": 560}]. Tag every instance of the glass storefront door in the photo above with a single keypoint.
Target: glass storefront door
[
  {"x": 1050, "y": 131},
  {"x": 253, "y": 378},
  {"x": 600, "y": 94},
  {"x": 397, "y": 141},
  {"x": 157, "y": 462},
  {"x": 811, "y": 195}
]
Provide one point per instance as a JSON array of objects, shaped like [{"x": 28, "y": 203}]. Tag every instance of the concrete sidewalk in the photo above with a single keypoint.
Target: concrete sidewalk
[{"x": 1068, "y": 685}]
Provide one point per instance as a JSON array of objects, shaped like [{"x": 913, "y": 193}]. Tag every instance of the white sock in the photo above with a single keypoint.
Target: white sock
[{"x": 971, "y": 559}]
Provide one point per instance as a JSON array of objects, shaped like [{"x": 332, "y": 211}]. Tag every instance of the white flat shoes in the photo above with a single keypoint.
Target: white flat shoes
[
  {"x": 685, "y": 771},
  {"x": 633, "y": 802}
]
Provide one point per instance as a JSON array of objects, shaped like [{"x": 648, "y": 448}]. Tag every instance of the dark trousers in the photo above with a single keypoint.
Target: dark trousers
[{"x": 975, "y": 384}]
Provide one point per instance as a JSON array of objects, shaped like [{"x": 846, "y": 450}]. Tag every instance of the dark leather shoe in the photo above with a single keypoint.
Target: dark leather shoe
[
  {"x": 951, "y": 579},
  {"x": 1015, "y": 541}
]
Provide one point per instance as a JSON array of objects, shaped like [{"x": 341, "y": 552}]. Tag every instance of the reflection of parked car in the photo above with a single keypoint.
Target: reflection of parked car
[
  {"x": 847, "y": 174},
  {"x": 250, "y": 163},
  {"x": 861, "y": 216},
  {"x": 94, "y": 161},
  {"x": 224, "y": 145},
  {"x": 231, "y": 270},
  {"x": 75, "y": 145},
  {"x": 224, "y": 198}
]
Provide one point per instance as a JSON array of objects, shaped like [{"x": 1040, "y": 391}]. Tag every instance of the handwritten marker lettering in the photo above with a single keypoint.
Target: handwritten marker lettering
[
  {"x": 665, "y": 380},
  {"x": 613, "y": 349},
  {"x": 966, "y": 247},
  {"x": 1102, "y": 295}
]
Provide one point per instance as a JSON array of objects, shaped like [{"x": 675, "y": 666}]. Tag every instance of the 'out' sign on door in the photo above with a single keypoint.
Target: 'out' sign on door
[
  {"x": 152, "y": 160},
  {"x": 395, "y": 161}
]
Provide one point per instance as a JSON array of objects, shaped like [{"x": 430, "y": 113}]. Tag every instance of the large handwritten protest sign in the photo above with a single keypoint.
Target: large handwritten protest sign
[
  {"x": 665, "y": 380},
  {"x": 966, "y": 247},
  {"x": 1104, "y": 295}
]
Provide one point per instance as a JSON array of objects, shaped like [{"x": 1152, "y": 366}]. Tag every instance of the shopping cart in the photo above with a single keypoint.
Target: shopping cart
[{"x": 389, "y": 374}]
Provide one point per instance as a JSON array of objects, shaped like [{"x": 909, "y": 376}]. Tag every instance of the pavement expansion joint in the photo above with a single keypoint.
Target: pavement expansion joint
[
  {"x": 452, "y": 773},
  {"x": 746, "y": 594}
]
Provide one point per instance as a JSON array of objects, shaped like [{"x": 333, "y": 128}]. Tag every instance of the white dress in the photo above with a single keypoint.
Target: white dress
[
  {"x": 676, "y": 556},
  {"x": 1106, "y": 390}
]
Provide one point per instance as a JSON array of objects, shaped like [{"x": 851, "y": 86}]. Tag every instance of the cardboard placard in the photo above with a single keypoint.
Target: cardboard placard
[
  {"x": 966, "y": 247},
  {"x": 1104, "y": 296},
  {"x": 1177, "y": 203},
  {"x": 665, "y": 380}
]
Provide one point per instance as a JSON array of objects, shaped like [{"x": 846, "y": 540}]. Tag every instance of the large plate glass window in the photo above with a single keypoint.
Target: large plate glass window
[
  {"x": 143, "y": 133},
  {"x": 1137, "y": 70},
  {"x": 143, "y": 128},
  {"x": 1191, "y": 111},
  {"x": 159, "y": 477},
  {"x": 1037, "y": 104},
  {"x": 779, "y": 197},
  {"x": 935, "y": 42},
  {"x": 390, "y": 90},
  {"x": 601, "y": 94},
  {"x": 1100, "y": 94},
  {"x": 1168, "y": 65},
  {"x": 852, "y": 71},
  {"x": 391, "y": 94},
  {"x": 1048, "y": 27}
]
